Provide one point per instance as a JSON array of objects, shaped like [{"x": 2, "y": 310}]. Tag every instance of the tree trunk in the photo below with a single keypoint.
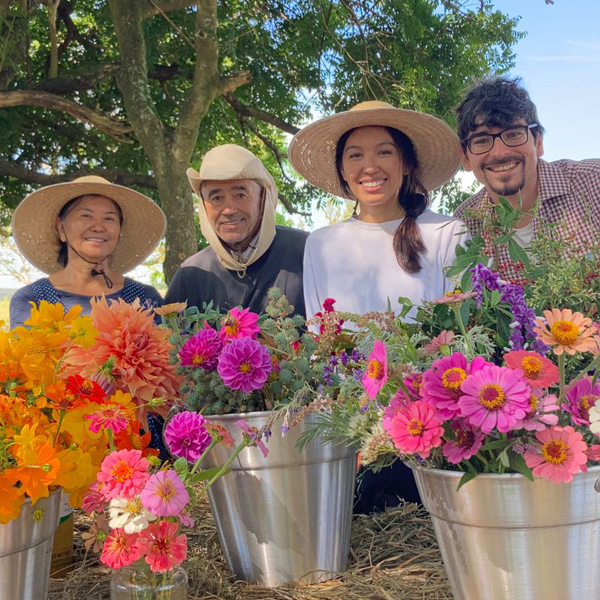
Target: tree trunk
[
  {"x": 169, "y": 150},
  {"x": 176, "y": 198}
]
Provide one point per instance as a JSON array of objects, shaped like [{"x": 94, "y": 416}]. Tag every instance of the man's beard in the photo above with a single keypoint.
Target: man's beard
[{"x": 507, "y": 188}]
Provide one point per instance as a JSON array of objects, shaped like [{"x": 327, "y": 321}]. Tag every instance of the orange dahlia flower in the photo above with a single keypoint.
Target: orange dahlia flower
[{"x": 140, "y": 350}]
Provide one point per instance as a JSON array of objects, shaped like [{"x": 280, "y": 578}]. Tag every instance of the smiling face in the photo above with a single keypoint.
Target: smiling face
[
  {"x": 234, "y": 209},
  {"x": 92, "y": 227},
  {"x": 373, "y": 168},
  {"x": 507, "y": 171}
]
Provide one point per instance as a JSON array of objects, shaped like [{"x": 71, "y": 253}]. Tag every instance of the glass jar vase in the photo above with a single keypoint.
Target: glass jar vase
[{"x": 134, "y": 583}]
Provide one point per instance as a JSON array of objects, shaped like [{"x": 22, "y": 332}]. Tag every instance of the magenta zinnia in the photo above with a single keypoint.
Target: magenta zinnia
[
  {"x": 186, "y": 435},
  {"x": 466, "y": 443},
  {"x": 414, "y": 428},
  {"x": 202, "y": 350},
  {"x": 560, "y": 454},
  {"x": 376, "y": 374},
  {"x": 239, "y": 324},
  {"x": 580, "y": 397},
  {"x": 245, "y": 365},
  {"x": 164, "y": 494},
  {"x": 495, "y": 397},
  {"x": 441, "y": 383}
]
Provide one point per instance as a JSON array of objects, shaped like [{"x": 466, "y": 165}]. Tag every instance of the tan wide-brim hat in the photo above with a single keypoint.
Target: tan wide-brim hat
[
  {"x": 312, "y": 150},
  {"x": 34, "y": 223}
]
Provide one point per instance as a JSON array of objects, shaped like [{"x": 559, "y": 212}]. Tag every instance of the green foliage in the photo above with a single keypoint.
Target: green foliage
[{"x": 305, "y": 57}]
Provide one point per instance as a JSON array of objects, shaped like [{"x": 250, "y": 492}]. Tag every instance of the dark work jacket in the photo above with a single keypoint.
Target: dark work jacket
[{"x": 202, "y": 278}]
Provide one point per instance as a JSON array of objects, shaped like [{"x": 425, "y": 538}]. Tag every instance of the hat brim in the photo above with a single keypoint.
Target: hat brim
[
  {"x": 34, "y": 224},
  {"x": 312, "y": 150}
]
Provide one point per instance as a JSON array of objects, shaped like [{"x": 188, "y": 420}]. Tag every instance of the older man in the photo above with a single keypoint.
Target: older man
[
  {"x": 502, "y": 144},
  {"x": 247, "y": 253}
]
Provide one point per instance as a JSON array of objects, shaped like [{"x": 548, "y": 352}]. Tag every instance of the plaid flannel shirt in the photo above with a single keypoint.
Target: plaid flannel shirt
[{"x": 568, "y": 196}]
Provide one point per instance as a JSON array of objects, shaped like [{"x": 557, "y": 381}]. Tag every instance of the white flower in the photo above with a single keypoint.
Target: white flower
[
  {"x": 129, "y": 514},
  {"x": 594, "y": 416}
]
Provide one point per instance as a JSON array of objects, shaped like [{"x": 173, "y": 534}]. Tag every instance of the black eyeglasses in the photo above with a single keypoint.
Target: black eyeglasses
[{"x": 480, "y": 143}]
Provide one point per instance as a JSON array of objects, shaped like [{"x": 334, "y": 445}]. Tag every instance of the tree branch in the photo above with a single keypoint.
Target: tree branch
[
  {"x": 62, "y": 86},
  {"x": 288, "y": 206},
  {"x": 229, "y": 84},
  {"x": 250, "y": 111},
  {"x": 205, "y": 85},
  {"x": 155, "y": 7},
  {"x": 17, "y": 171},
  {"x": 115, "y": 129}
]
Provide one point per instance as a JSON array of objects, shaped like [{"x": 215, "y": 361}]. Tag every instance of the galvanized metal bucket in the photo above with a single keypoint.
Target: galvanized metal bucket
[
  {"x": 286, "y": 517},
  {"x": 26, "y": 549},
  {"x": 503, "y": 537}
]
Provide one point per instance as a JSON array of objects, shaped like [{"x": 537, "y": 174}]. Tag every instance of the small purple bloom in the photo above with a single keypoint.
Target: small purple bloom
[
  {"x": 244, "y": 364},
  {"x": 186, "y": 436}
]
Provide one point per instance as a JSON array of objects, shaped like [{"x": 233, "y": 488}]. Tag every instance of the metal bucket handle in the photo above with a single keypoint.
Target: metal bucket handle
[{"x": 597, "y": 485}]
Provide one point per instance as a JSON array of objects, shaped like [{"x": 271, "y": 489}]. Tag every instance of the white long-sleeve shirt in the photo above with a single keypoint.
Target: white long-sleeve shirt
[{"x": 354, "y": 263}]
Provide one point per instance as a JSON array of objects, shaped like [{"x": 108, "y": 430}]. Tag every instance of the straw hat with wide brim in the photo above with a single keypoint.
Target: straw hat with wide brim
[
  {"x": 34, "y": 223},
  {"x": 312, "y": 150}
]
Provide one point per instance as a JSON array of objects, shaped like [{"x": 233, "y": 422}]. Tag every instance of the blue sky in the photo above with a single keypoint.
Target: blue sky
[{"x": 559, "y": 61}]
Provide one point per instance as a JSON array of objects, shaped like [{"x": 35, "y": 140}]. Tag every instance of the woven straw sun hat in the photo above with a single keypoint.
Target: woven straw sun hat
[
  {"x": 34, "y": 223},
  {"x": 312, "y": 150}
]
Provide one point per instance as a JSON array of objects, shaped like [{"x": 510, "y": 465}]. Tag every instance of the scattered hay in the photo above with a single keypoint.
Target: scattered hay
[{"x": 394, "y": 556}]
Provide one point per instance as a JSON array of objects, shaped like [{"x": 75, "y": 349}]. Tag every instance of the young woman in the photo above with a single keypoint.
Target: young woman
[
  {"x": 85, "y": 234},
  {"x": 387, "y": 160}
]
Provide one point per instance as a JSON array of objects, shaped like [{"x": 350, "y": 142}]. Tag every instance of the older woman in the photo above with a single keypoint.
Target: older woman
[
  {"x": 387, "y": 160},
  {"x": 85, "y": 234}
]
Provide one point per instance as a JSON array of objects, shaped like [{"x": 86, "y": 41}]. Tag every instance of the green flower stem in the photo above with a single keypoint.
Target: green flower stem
[
  {"x": 593, "y": 365},
  {"x": 480, "y": 456},
  {"x": 111, "y": 439},
  {"x": 60, "y": 421},
  {"x": 213, "y": 443},
  {"x": 220, "y": 472},
  {"x": 461, "y": 325},
  {"x": 561, "y": 372}
]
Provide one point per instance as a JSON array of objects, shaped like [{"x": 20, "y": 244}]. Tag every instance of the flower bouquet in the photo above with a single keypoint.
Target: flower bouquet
[
  {"x": 140, "y": 508},
  {"x": 282, "y": 510},
  {"x": 481, "y": 391}
]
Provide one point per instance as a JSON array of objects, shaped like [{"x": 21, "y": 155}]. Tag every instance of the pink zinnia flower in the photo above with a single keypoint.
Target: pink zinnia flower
[
  {"x": 541, "y": 412},
  {"x": 94, "y": 499},
  {"x": 414, "y": 428},
  {"x": 120, "y": 549},
  {"x": 560, "y": 454},
  {"x": 440, "y": 343},
  {"x": 252, "y": 433},
  {"x": 239, "y": 324},
  {"x": 161, "y": 547},
  {"x": 414, "y": 384},
  {"x": 580, "y": 397},
  {"x": 186, "y": 435},
  {"x": 376, "y": 374},
  {"x": 466, "y": 444},
  {"x": 244, "y": 365},
  {"x": 441, "y": 383},
  {"x": 495, "y": 397},
  {"x": 164, "y": 494},
  {"x": 108, "y": 417},
  {"x": 537, "y": 369},
  {"x": 202, "y": 350},
  {"x": 123, "y": 474}
]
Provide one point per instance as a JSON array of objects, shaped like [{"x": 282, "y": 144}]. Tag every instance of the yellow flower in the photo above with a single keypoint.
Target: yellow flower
[
  {"x": 78, "y": 426},
  {"x": 27, "y": 442},
  {"x": 76, "y": 471},
  {"x": 170, "y": 309},
  {"x": 82, "y": 332}
]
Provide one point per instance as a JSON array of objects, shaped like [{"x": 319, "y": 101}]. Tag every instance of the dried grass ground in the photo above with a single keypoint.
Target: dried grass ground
[{"x": 394, "y": 556}]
